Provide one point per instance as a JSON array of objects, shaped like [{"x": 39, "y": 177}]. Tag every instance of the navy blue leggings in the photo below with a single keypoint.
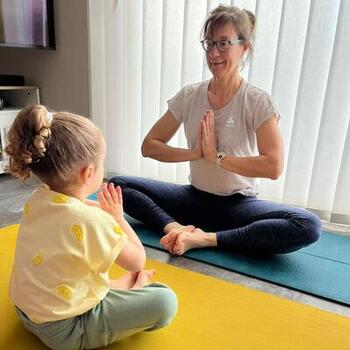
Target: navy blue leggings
[{"x": 242, "y": 224}]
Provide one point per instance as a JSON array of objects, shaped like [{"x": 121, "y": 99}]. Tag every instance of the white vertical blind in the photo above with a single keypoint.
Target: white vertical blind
[
  {"x": 311, "y": 94},
  {"x": 133, "y": 82},
  {"x": 173, "y": 23},
  {"x": 341, "y": 205},
  {"x": 331, "y": 155},
  {"x": 143, "y": 52},
  {"x": 265, "y": 43},
  {"x": 192, "y": 63},
  {"x": 114, "y": 70},
  {"x": 151, "y": 75},
  {"x": 289, "y": 56}
]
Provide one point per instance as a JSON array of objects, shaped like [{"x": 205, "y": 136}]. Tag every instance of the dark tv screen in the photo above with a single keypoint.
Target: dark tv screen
[{"x": 27, "y": 23}]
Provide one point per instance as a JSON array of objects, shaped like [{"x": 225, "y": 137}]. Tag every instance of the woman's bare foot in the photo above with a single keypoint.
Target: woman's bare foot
[
  {"x": 195, "y": 239},
  {"x": 171, "y": 231},
  {"x": 168, "y": 241},
  {"x": 175, "y": 225}
]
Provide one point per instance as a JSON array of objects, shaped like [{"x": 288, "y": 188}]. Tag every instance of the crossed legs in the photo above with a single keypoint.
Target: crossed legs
[{"x": 194, "y": 219}]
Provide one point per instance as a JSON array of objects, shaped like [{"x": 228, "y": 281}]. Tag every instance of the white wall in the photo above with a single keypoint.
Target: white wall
[{"x": 62, "y": 75}]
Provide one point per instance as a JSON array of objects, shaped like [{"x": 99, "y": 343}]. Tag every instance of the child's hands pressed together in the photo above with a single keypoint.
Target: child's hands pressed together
[{"x": 111, "y": 201}]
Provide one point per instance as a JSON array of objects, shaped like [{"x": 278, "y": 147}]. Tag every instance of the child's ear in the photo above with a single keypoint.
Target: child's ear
[{"x": 86, "y": 174}]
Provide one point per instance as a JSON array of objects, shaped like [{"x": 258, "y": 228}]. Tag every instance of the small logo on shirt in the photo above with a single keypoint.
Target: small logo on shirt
[{"x": 231, "y": 123}]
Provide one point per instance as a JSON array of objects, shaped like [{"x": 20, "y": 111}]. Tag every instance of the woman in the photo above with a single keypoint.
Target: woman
[{"x": 233, "y": 138}]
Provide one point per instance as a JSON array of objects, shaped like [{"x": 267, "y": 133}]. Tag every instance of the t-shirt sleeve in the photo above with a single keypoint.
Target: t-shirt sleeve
[
  {"x": 105, "y": 240},
  {"x": 264, "y": 109},
  {"x": 176, "y": 104}
]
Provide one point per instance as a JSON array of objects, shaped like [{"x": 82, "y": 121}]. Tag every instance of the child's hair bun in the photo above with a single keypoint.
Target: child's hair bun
[
  {"x": 52, "y": 146},
  {"x": 28, "y": 139}
]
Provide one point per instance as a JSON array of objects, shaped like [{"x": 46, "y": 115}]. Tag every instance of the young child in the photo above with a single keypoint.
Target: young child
[{"x": 66, "y": 245}]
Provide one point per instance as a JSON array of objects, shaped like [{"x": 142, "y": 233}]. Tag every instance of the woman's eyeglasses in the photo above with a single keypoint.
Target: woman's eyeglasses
[{"x": 222, "y": 45}]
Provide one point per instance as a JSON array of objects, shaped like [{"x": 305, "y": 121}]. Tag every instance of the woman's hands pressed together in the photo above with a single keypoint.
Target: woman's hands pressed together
[
  {"x": 208, "y": 137},
  {"x": 110, "y": 199},
  {"x": 198, "y": 152}
]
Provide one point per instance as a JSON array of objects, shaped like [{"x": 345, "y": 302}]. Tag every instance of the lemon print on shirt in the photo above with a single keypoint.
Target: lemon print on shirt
[
  {"x": 64, "y": 292},
  {"x": 26, "y": 209},
  {"x": 38, "y": 259},
  {"x": 77, "y": 232},
  {"x": 118, "y": 229},
  {"x": 60, "y": 199}
]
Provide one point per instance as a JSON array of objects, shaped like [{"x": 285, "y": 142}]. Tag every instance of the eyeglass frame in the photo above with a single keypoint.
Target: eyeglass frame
[{"x": 215, "y": 43}]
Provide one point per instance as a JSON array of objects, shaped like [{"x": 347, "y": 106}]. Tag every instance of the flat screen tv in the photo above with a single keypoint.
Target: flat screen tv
[{"x": 27, "y": 23}]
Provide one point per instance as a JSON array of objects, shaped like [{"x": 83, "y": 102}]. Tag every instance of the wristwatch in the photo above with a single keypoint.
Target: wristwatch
[{"x": 220, "y": 156}]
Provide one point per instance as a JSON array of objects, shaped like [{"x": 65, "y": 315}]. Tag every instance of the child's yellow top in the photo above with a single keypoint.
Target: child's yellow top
[{"x": 64, "y": 251}]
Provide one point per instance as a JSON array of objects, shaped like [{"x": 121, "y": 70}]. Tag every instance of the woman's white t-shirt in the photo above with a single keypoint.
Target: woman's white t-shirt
[{"x": 236, "y": 125}]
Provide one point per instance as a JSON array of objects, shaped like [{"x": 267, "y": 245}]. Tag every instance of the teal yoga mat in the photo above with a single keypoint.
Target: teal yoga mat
[{"x": 322, "y": 269}]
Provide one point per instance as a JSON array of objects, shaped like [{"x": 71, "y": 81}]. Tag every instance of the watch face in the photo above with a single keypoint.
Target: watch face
[{"x": 221, "y": 155}]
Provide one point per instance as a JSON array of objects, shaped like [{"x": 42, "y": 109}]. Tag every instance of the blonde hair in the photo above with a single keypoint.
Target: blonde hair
[
  {"x": 243, "y": 22},
  {"x": 52, "y": 149}
]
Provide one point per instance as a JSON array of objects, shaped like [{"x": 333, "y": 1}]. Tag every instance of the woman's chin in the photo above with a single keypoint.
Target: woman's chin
[{"x": 219, "y": 74}]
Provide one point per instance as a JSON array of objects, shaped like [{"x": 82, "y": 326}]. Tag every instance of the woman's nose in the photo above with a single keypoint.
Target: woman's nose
[{"x": 214, "y": 52}]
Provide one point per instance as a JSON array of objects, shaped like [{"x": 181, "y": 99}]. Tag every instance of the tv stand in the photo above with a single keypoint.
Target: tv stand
[{"x": 16, "y": 98}]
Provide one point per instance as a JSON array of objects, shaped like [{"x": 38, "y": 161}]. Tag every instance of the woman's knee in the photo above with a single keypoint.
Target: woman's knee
[
  {"x": 118, "y": 181},
  {"x": 311, "y": 228}
]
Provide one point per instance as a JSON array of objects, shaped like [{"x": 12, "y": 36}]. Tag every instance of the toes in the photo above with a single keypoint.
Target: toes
[
  {"x": 149, "y": 273},
  {"x": 168, "y": 238},
  {"x": 164, "y": 241},
  {"x": 179, "y": 245},
  {"x": 167, "y": 244},
  {"x": 174, "y": 243},
  {"x": 168, "y": 247},
  {"x": 179, "y": 251}
]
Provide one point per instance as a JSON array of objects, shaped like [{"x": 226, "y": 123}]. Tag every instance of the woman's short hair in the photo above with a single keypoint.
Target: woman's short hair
[{"x": 243, "y": 22}]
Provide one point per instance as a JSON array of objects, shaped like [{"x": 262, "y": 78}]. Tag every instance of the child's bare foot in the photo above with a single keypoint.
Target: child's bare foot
[
  {"x": 125, "y": 282},
  {"x": 195, "y": 239},
  {"x": 143, "y": 278}
]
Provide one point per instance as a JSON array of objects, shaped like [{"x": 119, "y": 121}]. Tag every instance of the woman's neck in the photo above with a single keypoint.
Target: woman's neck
[{"x": 221, "y": 91}]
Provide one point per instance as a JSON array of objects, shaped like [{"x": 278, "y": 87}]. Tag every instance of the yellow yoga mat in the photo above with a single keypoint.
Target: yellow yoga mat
[{"x": 213, "y": 314}]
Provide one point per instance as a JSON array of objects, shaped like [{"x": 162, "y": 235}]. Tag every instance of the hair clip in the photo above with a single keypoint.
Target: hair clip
[{"x": 49, "y": 117}]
